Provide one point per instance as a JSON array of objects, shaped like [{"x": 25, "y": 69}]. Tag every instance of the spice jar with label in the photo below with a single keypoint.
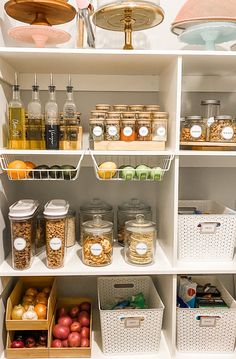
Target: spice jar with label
[
  {"x": 71, "y": 228},
  {"x": 210, "y": 110},
  {"x": 128, "y": 211},
  {"x": 128, "y": 130},
  {"x": 96, "y": 129},
  {"x": 159, "y": 126},
  {"x": 222, "y": 130},
  {"x": 112, "y": 130},
  {"x": 193, "y": 129},
  {"x": 140, "y": 241},
  {"x": 97, "y": 242},
  {"x": 103, "y": 107},
  {"x": 144, "y": 129},
  {"x": 55, "y": 213},
  {"x": 22, "y": 215}
]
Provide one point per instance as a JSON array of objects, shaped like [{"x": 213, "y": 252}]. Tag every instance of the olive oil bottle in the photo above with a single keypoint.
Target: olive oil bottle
[
  {"x": 52, "y": 120},
  {"x": 16, "y": 113}
]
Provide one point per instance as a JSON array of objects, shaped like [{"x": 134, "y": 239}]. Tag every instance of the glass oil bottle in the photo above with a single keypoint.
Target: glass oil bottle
[{"x": 52, "y": 120}]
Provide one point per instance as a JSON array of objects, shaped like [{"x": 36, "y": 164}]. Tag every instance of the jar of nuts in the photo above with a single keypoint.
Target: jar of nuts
[
  {"x": 140, "y": 241},
  {"x": 193, "y": 129},
  {"x": 55, "y": 213},
  {"x": 222, "y": 130},
  {"x": 97, "y": 242},
  {"x": 144, "y": 129},
  {"x": 112, "y": 130},
  {"x": 22, "y": 215},
  {"x": 96, "y": 129}
]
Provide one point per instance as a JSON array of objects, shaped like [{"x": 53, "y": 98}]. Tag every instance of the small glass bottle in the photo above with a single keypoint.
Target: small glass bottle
[
  {"x": 112, "y": 130},
  {"x": 128, "y": 130},
  {"x": 17, "y": 129},
  {"x": 52, "y": 120},
  {"x": 96, "y": 129}
]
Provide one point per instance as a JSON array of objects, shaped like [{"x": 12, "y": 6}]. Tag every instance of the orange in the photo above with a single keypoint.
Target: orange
[
  {"x": 30, "y": 166},
  {"x": 14, "y": 166}
]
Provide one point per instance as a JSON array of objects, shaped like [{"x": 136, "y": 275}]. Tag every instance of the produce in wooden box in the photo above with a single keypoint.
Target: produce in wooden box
[{"x": 29, "y": 339}]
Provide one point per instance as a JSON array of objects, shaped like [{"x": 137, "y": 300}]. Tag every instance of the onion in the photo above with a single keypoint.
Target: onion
[
  {"x": 85, "y": 306},
  {"x": 30, "y": 342},
  {"x": 74, "y": 312},
  {"x": 41, "y": 298},
  {"x": 41, "y": 311},
  {"x": 85, "y": 332},
  {"x": 61, "y": 312},
  {"x": 84, "y": 319},
  {"x": 74, "y": 339},
  {"x": 84, "y": 314},
  {"x": 85, "y": 342},
  {"x": 32, "y": 292},
  {"x": 67, "y": 321},
  {"x": 17, "y": 312},
  {"x": 75, "y": 327},
  {"x": 17, "y": 344},
  {"x": 56, "y": 343},
  {"x": 65, "y": 343},
  {"x": 47, "y": 291},
  {"x": 60, "y": 331},
  {"x": 29, "y": 299}
]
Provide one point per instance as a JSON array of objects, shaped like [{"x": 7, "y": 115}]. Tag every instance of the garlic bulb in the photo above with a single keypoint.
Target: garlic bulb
[{"x": 30, "y": 314}]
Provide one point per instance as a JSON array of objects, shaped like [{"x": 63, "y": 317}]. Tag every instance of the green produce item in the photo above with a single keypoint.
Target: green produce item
[
  {"x": 128, "y": 173},
  {"x": 137, "y": 301},
  {"x": 68, "y": 174},
  {"x": 40, "y": 174},
  {"x": 55, "y": 174},
  {"x": 156, "y": 174},
  {"x": 143, "y": 172},
  {"x": 134, "y": 302}
]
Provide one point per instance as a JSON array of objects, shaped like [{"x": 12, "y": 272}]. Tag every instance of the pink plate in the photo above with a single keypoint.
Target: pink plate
[{"x": 39, "y": 35}]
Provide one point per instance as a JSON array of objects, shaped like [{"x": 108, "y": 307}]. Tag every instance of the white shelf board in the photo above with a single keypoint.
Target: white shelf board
[
  {"x": 213, "y": 159},
  {"x": 180, "y": 355},
  {"x": 74, "y": 266},
  {"x": 184, "y": 267}
]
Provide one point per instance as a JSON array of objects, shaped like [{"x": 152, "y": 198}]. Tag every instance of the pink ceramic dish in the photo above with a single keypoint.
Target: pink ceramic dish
[{"x": 39, "y": 35}]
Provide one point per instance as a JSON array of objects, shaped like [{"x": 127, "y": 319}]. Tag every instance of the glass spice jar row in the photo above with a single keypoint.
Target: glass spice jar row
[
  {"x": 145, "y": 128},
  {"x": 125, "y": 108}
]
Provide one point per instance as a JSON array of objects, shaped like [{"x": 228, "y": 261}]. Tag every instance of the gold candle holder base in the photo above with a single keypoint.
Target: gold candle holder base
[{"x": 128, "y": 16}]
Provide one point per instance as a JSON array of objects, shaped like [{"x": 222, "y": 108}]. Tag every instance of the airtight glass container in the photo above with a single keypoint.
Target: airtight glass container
[
  {"x": 128, "y": 211},
  {"x": 71, "y": 228},
  {"x": 159, "y": 129},
  {"x": 55, "y": 214},
  {"x": 140, "y": 241},
  {"x": 222, "y": 130},
  {"x": 112, "y": 130},
  {"x": 210, "y": 110},
  {"x": 144, "y": 129},
  {"x": 22, "y": 215},
  {"x": 96, "y": 129},
  {"x": 193, "y": 129},
  {"x": 128, "y": 130},
  {"x": 97, "y": 242}
]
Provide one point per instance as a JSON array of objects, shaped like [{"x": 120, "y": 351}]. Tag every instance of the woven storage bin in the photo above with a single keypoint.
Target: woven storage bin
[
  {"x": 130, "y": 331},
  {"x": 208, "y": 237},
  {"x": 218, "y": 330}
]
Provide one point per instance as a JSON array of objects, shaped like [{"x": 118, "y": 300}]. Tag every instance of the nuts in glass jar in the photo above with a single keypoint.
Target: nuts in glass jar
[
  {"x": 222, "y": 129},
  {"x": 193, "y": 129},
  {"x": 112, "y": 130},
  {"x": 55, "y": 242}
]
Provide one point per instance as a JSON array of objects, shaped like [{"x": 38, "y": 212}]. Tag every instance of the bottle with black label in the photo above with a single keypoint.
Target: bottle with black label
[{"x": 52, "y": 120}]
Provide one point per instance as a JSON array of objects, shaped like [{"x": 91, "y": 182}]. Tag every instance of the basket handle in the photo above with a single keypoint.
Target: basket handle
[
  {"x": 208, "y": 227},
  {"x": 132, "y": 322},
  {"x": 123, "y": 285},
  {"x": 208, "y": 321}
]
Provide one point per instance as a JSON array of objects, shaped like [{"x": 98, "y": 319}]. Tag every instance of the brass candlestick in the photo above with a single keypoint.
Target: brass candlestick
[{"x": 128, "y": 16}]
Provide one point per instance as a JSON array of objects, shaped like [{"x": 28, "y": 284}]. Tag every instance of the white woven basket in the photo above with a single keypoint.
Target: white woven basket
[
  {"x": 130, "y": 331},
  {"x": 215, "y": 332},
  {"x": 208, "y": 237}
]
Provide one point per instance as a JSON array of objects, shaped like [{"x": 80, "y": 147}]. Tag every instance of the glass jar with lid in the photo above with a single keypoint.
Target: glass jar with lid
[
  {"x": 222, "y": 129},
  {"x": 128, "y": 211},
  {"x": 112, "y": 129},
  {"x": 140, "y": 241},
  {"x": 159, "y": 126},
  {"x": 193, "y": 129},
  {"x": 96, "y": 129},
  {"x": 97, "y": 242},
  {"x": 210, "y": 109},
  {"x": 128, "y": 130},
  {"x": 144, "y": 129},
  {"x": 98, "y": 114}
]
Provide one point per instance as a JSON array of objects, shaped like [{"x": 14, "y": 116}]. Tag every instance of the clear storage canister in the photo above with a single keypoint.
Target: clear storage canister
[
  {"x": 112, "y": 131},
  {"x": 128, "y": 211},
  {"x": 96, "y": 129},
  {"x": 193, "y": 129},
  {"x": 22, "y": 215},
  {"x": 97, "y": 242},
  {"x": 71, "y": 228},
  {"x": 128, "y": 130},
  {"x": 140, "y": 241},
  {"x": 222, "y": 130},
  {"x": 210, "y": 110},
  {"x": 144, "y": 129},
  {"x": 159, "y": 126},
  {"x": 55, "y": 213}
]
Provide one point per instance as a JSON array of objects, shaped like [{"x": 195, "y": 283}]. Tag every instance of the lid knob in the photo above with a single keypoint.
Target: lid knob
[{"x": 140, "y": 218}]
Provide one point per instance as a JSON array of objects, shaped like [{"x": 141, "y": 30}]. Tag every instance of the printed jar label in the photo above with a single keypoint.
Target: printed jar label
[
  {"x": 127, "y": 131},
  {"x": 19, "y": 244},
  {"x": 112, "y": 130},
  {"x": 196, "y": 131},
  {"x": 161, "y": 131},
  {"x": 97, "y": 131},
  {"x": 143, "y": 131},
  {"x": 96, "y": 249},
  {"x": 55, "y": 243},
  {"x": 210, "y": 121},
  {"x": 227, "y": 133},
  {"x": 141, "y": 248}
]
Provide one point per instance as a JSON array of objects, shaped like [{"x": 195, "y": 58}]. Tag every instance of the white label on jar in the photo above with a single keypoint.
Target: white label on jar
[
  {"x": 227, "y": 133},
  {"x": 19, "y": 244},
  {"x": 161, "y": 131},
  {"x": 97, "y": 131},
  {"x": 141, "y": 248},
  {"x": 55, "y": 243},
  {"x": 143, "y": 131},
  {"x": 96, "y": 249},
  {"x": 210, "y": 121},
  {"x": 112, "y": 130},
  {"x": 127, "y": 131},
  {"x": 196, "y": 131}
]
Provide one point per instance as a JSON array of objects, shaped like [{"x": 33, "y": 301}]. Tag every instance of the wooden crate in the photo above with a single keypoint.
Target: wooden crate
[
  {"x": 73, "y": 145},
  {"x": 70, "y": 352},
  {"x": 12, "y": 353},
  {"x": 129, "y": 146},
  {"x": 16, "y": 296}
]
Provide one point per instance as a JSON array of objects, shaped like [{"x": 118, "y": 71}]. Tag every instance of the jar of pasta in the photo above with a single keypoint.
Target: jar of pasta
[
  {"x": 144, "y": 129},
  {"x": 193, "y": 129},
  {"x": 97, "y": 242},
  {"x": 128, "y": 130},
  {"x": 96, "y": 129},
  {"x": 112, "y": 130},
  {"x": 222, "y": 130},
  {"x": 140, "y": 241}
]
